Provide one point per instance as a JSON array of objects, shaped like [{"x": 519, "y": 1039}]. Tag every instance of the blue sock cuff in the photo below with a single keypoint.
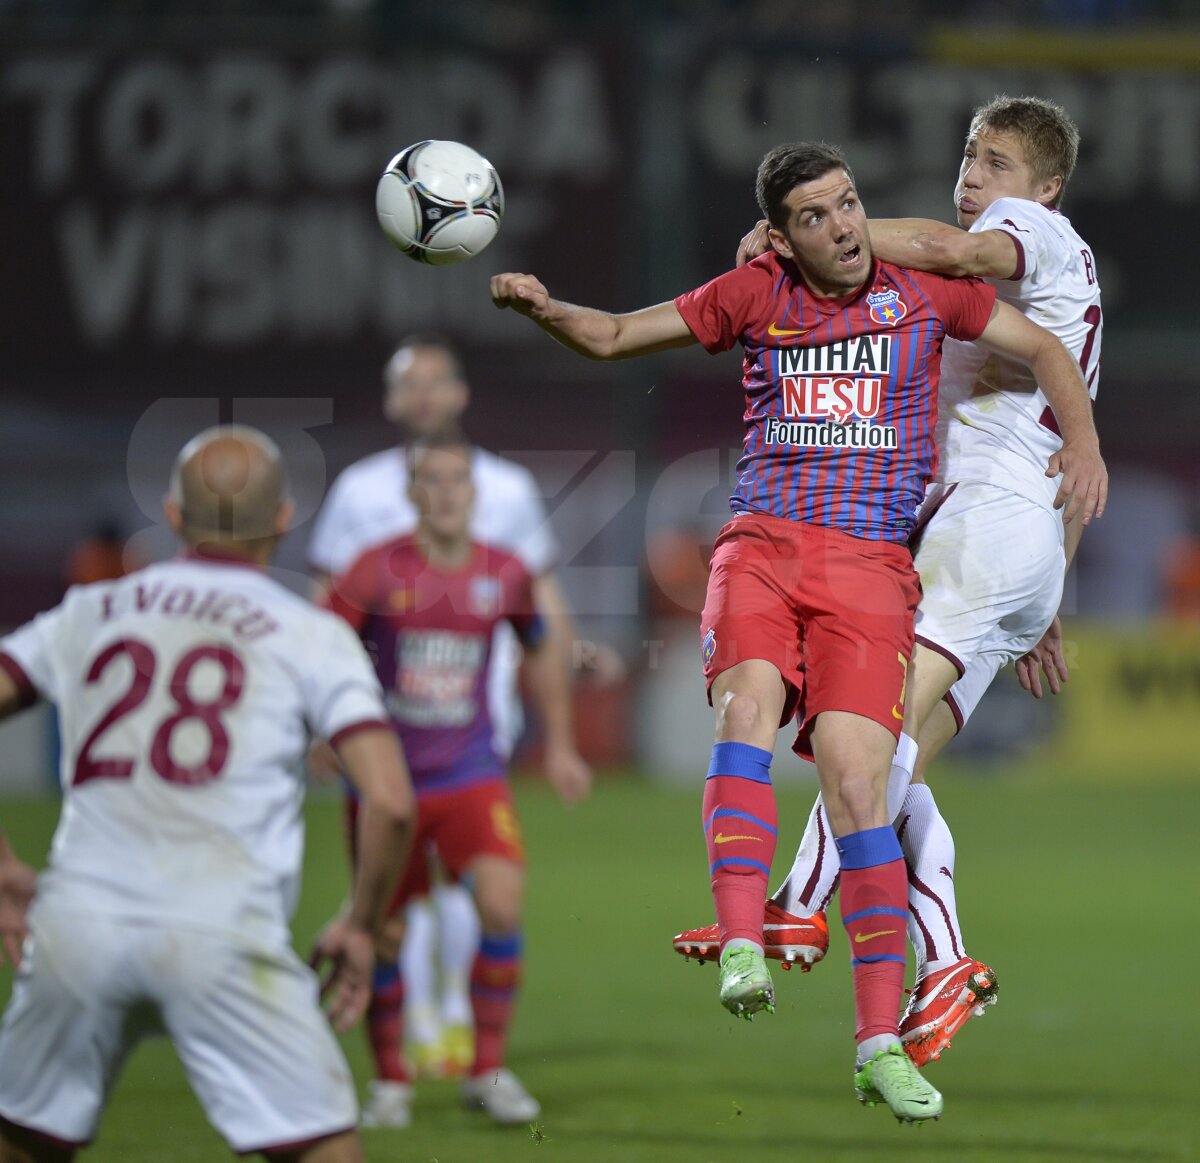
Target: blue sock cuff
[
  {"x": 870, "y": 848},
  {"x": 742, "y": 760},
  {"x": 385, "y": 976},
  {"x": 503, "y": 948}
]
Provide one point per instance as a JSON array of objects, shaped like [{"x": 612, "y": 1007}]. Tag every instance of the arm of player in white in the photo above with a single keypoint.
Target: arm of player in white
[
  {"x": 1083, "y": 489},
  {"x": 17, "y": 879},
  {"x": 1048, "y": 657},
  {"x": 927, "y": 245},
  {"x": 373, "y": 762},
  {"x": 923, "y": 244},
  {"x": 596, "y": 334}
]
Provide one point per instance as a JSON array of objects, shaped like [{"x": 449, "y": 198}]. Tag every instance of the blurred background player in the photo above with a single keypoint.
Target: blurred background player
[
  {"x": 829, "y": 484},
  {"x": 991, "y": 551},
  {"x": 185, "y": 692},
  {"x": 427, "y": 605},
  {"x": 99, "y": 556},
  {"x": 426, "y": 390}
]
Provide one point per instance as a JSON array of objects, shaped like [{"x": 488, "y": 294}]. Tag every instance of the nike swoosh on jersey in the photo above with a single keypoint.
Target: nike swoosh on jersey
[
  {"x": 859, "y": 938},
  {"x": 777, "y": 331},
  {"x": 720, "y": 839}
]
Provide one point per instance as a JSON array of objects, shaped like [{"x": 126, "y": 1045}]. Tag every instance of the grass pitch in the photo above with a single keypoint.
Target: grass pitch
[{"x": 1082, "y": 897}]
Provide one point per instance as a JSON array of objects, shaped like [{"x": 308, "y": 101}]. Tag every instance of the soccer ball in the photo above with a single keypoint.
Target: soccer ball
[{"x": 439, "y": 202}]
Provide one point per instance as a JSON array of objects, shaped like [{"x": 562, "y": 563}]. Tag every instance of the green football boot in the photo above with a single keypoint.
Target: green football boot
[
  {"x": 746, "y": 983},
  {"x": 891, "y": 1077}
]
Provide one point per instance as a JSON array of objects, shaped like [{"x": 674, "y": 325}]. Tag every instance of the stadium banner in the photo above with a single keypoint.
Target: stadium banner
[
  {"x": 214, "y": 199},
  {"x": 1131, "y": 710}
]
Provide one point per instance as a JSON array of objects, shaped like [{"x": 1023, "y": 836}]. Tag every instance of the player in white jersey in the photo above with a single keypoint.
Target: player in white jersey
[
  {"x": 992, "y": 549},
  {"x": 426, "y": 392},
  {"x": 186, "y": 695}
]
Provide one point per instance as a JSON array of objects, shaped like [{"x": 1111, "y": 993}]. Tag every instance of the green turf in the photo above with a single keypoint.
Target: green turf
[{"x": 1083, "y": 897}]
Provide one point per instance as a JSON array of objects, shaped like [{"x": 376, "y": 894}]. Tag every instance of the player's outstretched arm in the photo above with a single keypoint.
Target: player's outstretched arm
[
  {"x": 1083, "y": 488},
  {"x": 17, "y": 884},
  {"x": 1048, "y": 656},
  {"x": 17, "y": 879},
  {"x": 596, "y": 334},
  {"x": 927, "y": 245},
  {"x": 372, "y": 761},
  {"x": 921, "y": 243},
  {"x": 754, "y": 242}
]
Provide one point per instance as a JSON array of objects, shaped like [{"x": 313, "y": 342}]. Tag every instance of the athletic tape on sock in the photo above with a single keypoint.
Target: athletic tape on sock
[{"x": 743, "y": 760}]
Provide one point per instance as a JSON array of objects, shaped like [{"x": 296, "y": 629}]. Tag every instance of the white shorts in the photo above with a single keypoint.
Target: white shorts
[
  {"x": 247, "y": 1026},
  {"x": 991, "y": 565}
]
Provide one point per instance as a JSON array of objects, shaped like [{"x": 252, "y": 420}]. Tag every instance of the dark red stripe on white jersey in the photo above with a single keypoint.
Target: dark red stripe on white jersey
[
  {"x": 955, "y": 710},
  {"x": 27, "y": 693},
  {"x": 18, "y": 1131},
  {"x": 929, "y": 644},
  {"x": 298, "y": 1146},
  {"x": 1019, "y": 273},
  {"x": 818, "y": 864},
  {"x": 354, "y": 728},
  {"x": 924, "y": 889},
  {"x": 1050, "y": 421}
]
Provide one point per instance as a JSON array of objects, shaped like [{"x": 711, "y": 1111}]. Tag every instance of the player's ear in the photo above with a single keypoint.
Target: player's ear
[
  {"x": 173, "y": 514},
  {"x": 284, "y": 515},
  {"x": 780, "y": 242},
  {"x": 1049, "y": 191}
]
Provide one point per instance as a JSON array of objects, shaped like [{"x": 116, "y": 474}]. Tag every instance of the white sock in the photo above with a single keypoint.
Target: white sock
[
  {"x": 417, "y": 969},
  {"x": 933, "y": 926},
  {"x": 900, "y": 774},
  {"x": 815, "y": 871},
  {"x": 869, "y": 1047},
  {"x": 458, "y": 942},
  {"x": 814, "y": 875},
  {"x": 739, "y": 943}
]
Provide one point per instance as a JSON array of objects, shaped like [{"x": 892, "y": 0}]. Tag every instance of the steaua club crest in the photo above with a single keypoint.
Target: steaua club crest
[
  {"x": 484, "y": 596},
  {"x": 709, "y": 646},
  {"x": 886, "y": 307}
]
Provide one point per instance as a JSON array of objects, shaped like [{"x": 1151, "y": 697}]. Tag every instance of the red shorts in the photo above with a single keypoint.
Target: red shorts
[
  {"x": 833, "y": 614},
  {"x": 458, "y": 826}
]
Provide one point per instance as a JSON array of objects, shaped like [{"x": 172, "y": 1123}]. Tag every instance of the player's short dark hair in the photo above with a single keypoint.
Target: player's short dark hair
[
  {"x": 791, "y": 165},
  {"x": 1048, "y": 135},
  {"x": 426, "y": 339}
]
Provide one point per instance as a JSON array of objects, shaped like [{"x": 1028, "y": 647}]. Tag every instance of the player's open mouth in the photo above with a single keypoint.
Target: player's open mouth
[{"x": 851, "y": 256}]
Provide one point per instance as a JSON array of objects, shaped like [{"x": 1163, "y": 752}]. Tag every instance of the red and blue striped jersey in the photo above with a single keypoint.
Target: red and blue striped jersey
[
  {"x": 429, "y": 633},
  {"x": 841, "y": 393}
]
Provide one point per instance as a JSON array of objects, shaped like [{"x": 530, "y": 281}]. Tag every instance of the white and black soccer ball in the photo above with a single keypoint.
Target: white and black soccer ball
[{"x": 439, "y": 202}]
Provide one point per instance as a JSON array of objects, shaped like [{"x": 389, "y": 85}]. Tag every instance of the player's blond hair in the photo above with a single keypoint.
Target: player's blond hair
[{"x": 1048, "y": 135}]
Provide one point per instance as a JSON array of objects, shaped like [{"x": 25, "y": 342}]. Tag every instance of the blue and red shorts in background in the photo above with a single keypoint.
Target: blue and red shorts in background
[{"x": 476, "y": 820}]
